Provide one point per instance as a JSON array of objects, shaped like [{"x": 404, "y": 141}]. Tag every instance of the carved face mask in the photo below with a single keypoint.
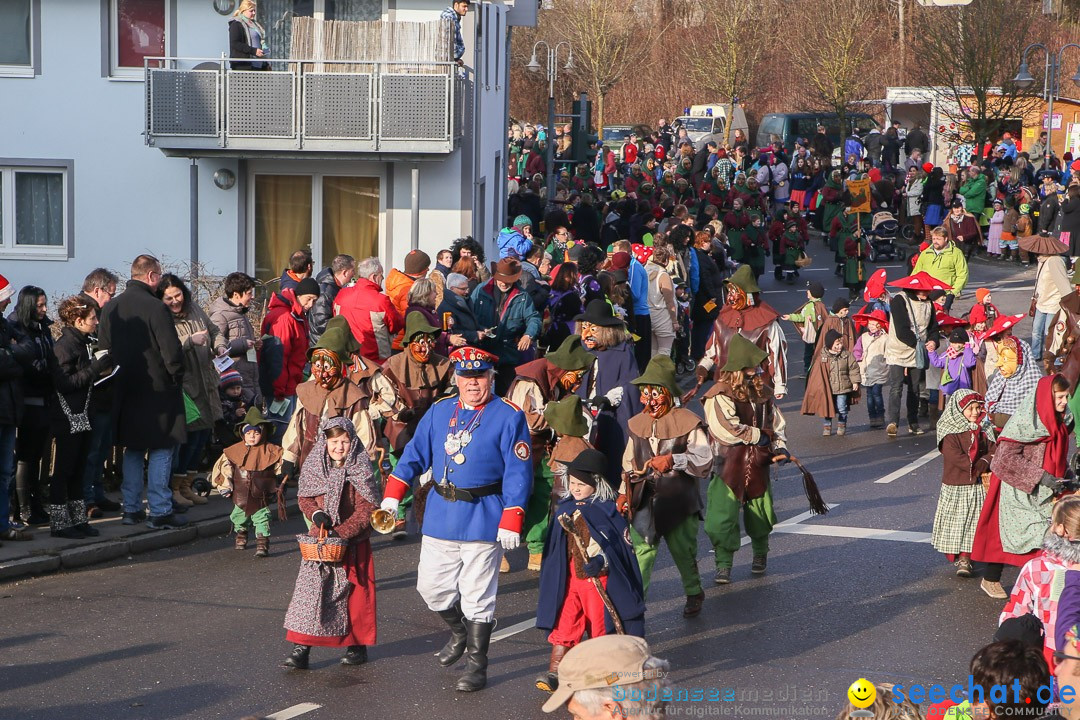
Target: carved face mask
[
  {"x": 570, "y": 380},
  {"x": 589, "y": 335},
  {"x": 656, "y": 400},
  {"x": 326, "y": 368},
  {"x": 1008, "y": 360},
  {"x": 420, "y": 348},
  {"x": 736, "y": 297}
]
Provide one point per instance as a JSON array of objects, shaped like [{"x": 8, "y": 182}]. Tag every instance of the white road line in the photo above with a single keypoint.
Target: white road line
[
  {"x": 854, "y": 532},
  {"x": 294, "y": 711},
  {"x": 910, "y": 467},
  {"x": 787, "y": 523},
  {"x": 513, "y": 630}
]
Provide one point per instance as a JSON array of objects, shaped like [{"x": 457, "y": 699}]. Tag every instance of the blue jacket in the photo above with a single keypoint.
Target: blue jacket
[
  {"x": 609, "y": 529},
  {"x": 518, "y": 316},
  {"x": 639, "y": 287},
  {"x": 500, "y": 450}
]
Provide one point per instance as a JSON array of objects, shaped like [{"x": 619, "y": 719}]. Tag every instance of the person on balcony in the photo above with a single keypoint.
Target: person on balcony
[
  {"x": 247, "y": 39},
  {"x": 454, "y": 13}
]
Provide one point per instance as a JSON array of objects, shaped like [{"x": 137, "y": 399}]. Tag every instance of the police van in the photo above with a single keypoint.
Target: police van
[{"x": 710, "y": 122}]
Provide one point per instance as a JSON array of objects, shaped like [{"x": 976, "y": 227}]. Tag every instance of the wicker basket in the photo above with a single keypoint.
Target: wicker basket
[
  {"x": 322, "y": 549},
  {"x": 803, "y": 260}
]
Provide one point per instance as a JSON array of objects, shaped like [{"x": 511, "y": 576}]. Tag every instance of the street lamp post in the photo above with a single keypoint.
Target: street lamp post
[
  {"x": 552, "y": 75},
  {"x": 1024, "y": 79}
]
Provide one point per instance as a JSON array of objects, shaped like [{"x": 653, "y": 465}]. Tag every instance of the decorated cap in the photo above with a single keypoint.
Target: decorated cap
[
  {"x": 521, "y": 222},
  {"x": 571, "y": 355},
  {"x": 743, "y": 354},
  {"x": 255, "y": 418},
  {"x": 230, "y": 377},
  {"x": 875, "y": 285},
  {"x": 1003, "y": 323},
  {"x": 6, "y": 289},
  {"x": 599, "y": 312},
  {"x": 642, "y": 252},
  {"x": 470, "y": 361},
  {"x": 921, "y": 280},
  {"x": 946, "y": 321},
  {"x": 878, "y": 314},
  {"x": 417, "y": 324},
  {"x": 352, "y": 345},
  {"x": 743, "y": 278},
  {"x": 335, "y": 341},
  {"x": 587, "y": 466},
  {"x": 660, "y": 371},
  {"x": 566, "y": 417}
]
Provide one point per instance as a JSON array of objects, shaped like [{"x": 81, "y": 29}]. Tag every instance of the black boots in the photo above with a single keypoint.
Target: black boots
[
  {"x": 476, "y": 661},
  {"x": 455, "y": 646},
  {"x": 356, "y": 655},
  {"x": 298, "y": 659},
  {"x": 60, "y": 525}
]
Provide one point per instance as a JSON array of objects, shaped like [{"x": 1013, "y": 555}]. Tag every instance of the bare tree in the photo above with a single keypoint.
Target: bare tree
[
  {"x": 969, "y": 74},
  {"x": 837, "y": 53},
  {"x": 724, "y": 56}
]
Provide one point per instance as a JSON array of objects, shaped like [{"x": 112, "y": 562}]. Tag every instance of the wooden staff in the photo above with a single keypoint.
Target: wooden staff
[{"x": 568, "y": 525}]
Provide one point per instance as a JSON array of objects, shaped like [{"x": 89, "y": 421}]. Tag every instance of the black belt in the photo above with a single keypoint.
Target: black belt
[{"x": 453, "y": 493}]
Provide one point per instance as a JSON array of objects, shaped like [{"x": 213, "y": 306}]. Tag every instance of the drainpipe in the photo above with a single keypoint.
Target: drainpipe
[
  {"x": 193, "y": 194},
  {"x": 415, "y": 239}
]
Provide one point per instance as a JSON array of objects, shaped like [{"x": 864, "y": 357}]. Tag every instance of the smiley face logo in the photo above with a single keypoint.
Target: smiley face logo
[{"x": 861, "y": 693}]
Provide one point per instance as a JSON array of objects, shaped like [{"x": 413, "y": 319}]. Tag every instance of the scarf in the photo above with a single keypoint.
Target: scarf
[
  {"x": 1061, "y": 548},
  {"x": 1035, "y": 421},
  {"x": 953, "y": 422},
  {"x": 318, "y": 476},
  {"x": 1006, "y": 394}
]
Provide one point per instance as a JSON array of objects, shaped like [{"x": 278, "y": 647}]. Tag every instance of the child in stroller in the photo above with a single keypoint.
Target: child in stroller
[{"x": 882, "y": 234}]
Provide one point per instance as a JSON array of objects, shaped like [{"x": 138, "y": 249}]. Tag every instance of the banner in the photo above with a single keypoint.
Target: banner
[{"x": 860, "y": 195}]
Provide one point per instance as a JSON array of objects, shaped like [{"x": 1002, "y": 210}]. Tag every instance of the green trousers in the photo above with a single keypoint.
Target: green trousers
[
  {"x": 682, "y": 544},
  {"x": 722, "y": 521},
  {"x": 260, "y": 519},
  {"x": 538, "y": 512}
]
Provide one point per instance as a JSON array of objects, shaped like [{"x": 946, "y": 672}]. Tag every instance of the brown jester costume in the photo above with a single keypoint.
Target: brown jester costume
[
  {"x": 538, "y": 383},
  {"x": 668, "y": 451}
]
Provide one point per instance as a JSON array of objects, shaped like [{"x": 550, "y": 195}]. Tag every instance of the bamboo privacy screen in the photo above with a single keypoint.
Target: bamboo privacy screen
[{"x": 408, "y": 42}]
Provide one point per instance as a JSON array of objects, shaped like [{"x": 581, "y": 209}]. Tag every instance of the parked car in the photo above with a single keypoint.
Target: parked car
[
  {"x": 791, "y": 126},
  {"x": 615, "y": 136}
]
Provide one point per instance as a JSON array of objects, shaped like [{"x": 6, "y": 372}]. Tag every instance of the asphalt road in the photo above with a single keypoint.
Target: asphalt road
[{"x": 196, "y": 631}]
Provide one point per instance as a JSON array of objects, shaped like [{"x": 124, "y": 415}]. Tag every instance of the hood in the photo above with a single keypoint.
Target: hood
[{"x": 285, "y": 299}]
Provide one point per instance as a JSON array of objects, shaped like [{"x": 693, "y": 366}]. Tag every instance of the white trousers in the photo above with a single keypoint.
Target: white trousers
[{"x": 450, "y": 570}]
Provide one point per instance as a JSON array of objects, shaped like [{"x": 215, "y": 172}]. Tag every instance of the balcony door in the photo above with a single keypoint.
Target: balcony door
[
  {"x": 276, "y": 16},
  {"x": 328, "y": 214}
]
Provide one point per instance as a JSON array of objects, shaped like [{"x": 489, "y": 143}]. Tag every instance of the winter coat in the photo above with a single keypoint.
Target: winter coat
[
  {"x": 282, "y": 359},
  {"x": 74, "y": 372},
  {"x": 956, "y": 371},
  {"x": 873, "y": 145},
  {"x": 1051, "y": 284},
  {"x": 464, "y": 320},
  {"x": 1070, "y": 223},
  {"x": 586, "y": 224},
  {"x": 1049, "y": 209},
  {"x": 869, "y": 351},
  {"x": 11, "y": 373},
  {"x": 323, "y": 309},
  {"x": 148, "y": 403},
  {"x": 974, "y": 192},
  {"x": 967, "y": 228},
  {"x": 780, "y": 186},
  {"x": 949, "y": 266},
  {"x": 34, "y": 350},
  {"x": 916, "y": 140},
  {"x": 515, "y": 316},
  {"x": 372, "y": 317},
  {"x": 233, "y": 324},
  {"x": 201, "y": 378},
  {"x": 913, "y": 192},
  {"x": 843, "y": 371}
]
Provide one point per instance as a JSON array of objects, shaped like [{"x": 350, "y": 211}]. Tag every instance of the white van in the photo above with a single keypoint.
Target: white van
[{"x": 709, "y": 122}]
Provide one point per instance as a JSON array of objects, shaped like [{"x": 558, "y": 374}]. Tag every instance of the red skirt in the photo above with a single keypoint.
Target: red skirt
[
  {"x": 799, "y": 196},
  {"x": 987, "y": 544},
  {"x": 360, "y": 571}
]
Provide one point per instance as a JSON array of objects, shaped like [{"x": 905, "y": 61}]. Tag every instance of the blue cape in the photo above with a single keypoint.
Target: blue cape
[{"x": 616, "y": 367}]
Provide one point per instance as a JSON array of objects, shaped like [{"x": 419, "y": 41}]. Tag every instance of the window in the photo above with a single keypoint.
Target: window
[
  {"x": 34, "y": 211},
  {"x": 18, "y": 37},
  {"x": 138, "y": 29}
]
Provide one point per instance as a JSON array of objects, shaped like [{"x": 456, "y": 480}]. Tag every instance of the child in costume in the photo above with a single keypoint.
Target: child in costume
[
  {"x": 234, "y": 405},
  {"x": 957, "y": 362},
  {"x": 249, "y": 471},
  {"x": 869, "y": 351},
  {"x": 598, "y": 554},
  {"x": 844, "y": 378}
]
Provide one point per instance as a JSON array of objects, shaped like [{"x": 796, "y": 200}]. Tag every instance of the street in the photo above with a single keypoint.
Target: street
[{"x": 196, "y": 631}]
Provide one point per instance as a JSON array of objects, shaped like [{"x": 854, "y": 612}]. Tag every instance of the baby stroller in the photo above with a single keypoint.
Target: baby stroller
[{"x": 882, "y": 235}]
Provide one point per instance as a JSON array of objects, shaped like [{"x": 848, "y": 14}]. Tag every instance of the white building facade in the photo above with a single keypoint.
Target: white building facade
[{"x": 105, "y": 155}]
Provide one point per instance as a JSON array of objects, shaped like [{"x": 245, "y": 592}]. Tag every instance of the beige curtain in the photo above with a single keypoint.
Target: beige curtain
[
  {"x": 350, "y": 217},
  {"x": 282, "y": 221}
]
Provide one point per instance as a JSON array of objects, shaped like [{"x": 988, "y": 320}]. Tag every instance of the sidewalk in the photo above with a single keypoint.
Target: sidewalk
[{"x": 46, "y": 554}]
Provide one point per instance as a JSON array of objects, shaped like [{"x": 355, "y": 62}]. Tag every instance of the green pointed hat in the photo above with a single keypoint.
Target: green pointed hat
[
  {"x": 743, "y": 354},
  {"x": 660, "y": 371},
  {"x": 336, "y": 340},
  {"x": 352, "y": 345},
  {"x": 417, "y": 324},
  {"x": 255, "y": 417},
  {"x": 743, "y": 278},
  {"x": 566, "y": 417},
  {"x": 571, "y": 355}
]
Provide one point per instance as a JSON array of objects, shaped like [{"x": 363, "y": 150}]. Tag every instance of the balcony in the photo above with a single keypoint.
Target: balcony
[{"x": 198, "y": 106}]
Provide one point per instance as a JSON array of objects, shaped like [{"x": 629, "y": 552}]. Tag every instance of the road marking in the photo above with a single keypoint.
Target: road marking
[
  {"x": 859, "y": 533},
  {"x": 787, "y": 523},
  {"x": 513, "y": 630},
  {"x": 910, "y": 467},
  {"x": 294, "y": 711}
]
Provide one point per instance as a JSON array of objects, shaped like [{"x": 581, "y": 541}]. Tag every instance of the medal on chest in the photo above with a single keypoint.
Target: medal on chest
[{"x": 457, "y": 441}]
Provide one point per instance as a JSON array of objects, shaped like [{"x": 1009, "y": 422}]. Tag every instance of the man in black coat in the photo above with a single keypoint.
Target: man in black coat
[
  {"x": 916, "y": 139},
  {"x": 890, "y": 149},
  {"x": 11, "y": 411},
  {"x": 821, "y": 145},
  {"x": 331, "y": 279},
  {"x": 700, "y": 164},
  {"x": 138, "y": 331}
]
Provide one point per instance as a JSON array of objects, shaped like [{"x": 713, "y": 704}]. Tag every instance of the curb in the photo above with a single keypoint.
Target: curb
[{"x": 87, "y": 555}]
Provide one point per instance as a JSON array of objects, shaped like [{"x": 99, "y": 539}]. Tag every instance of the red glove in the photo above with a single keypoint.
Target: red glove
[
  {"x": 622, "y": 504},
  {"x": 662, "y": 463}
]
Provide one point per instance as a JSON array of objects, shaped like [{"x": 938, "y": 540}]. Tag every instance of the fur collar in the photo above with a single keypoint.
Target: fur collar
[{"x": 1059, "y": 547}]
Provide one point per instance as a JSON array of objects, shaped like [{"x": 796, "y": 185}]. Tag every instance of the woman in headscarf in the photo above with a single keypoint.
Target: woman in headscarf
[
  {"x": 966, "y": 440},
  {"x": 1016, "y": 376},
  {"x": 333, "y": 604},
  {"x": 1027, "y": 473}
]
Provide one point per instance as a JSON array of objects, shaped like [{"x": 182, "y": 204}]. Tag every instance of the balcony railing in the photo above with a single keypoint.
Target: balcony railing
[{"x": 301, "y": 105}]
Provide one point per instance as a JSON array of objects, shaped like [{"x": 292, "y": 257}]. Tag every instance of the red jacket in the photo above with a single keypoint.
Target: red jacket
[
  {"x": 286, "y": 321},
  {"x": 373, "y": 318}
]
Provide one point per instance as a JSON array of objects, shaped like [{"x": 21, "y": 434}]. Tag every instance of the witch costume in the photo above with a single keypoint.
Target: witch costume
[{"x": 333, "y": 604}]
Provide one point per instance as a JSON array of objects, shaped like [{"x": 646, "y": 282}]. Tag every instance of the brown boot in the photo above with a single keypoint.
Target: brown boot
[
  {"x": 534, "y": 560},
  {"x": 693, "y": 604},
  {"x": 241, "y": 540},
  {"x": 549, "y": 681},
  {"x": 188, "y": 493},
  {"x": 176, "y": 482},
  {"x": 262, "y": 546},
  {"x": 504, "y": 566}
]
